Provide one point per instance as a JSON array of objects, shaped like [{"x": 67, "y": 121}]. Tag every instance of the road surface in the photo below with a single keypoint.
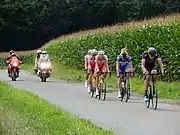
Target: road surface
[{"x": 131, "y": 118}]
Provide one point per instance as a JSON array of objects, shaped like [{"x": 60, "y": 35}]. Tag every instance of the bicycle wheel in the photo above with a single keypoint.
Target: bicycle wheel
[
  {"x": 126, "y": 90},
  {"x": 103, "y": 89},
  {"x": 92, "y": 91},
  {"x": 155, "y": 97},
  {"x": 100, "y": 88},
  {"x": 123, "y": 94}
]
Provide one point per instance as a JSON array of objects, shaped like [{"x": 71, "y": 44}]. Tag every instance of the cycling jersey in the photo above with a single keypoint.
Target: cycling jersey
[
  {"x": 91, "y": 62},
  {"x": 123, "y": 63},
  {"x": 100, "y": 64},
  {"x": 149, "y": 64}
]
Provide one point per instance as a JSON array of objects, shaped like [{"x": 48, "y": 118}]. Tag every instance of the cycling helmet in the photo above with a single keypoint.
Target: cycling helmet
[
  {"x": 12, "y": 51},
  {"x": 44, "y": 52},
  {"x": 124, "y": 54},
  {"x": 94, "y": 51},
  {"x": 123, "y": 49},
  {"x": 152, "y": 51},
  {"x": 89, "y": 51},
  {"x": 39, "y": 51},
  {"x": 100, "y": 52}
]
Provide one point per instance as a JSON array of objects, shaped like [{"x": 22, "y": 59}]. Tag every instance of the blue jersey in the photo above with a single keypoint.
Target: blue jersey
[{"x": 123, "y": 63}]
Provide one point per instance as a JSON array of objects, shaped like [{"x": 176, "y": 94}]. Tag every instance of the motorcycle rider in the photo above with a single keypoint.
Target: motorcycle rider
[
  {"x": 11, "y": 59},
  {"x": 44, "y": 57},
  {"x": 38, "y": 53}
]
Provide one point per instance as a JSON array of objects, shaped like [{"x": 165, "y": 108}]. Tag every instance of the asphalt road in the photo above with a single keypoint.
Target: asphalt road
[{"x": 131, "y": 118}]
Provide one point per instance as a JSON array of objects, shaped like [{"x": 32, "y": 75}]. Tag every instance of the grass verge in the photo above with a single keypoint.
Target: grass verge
[{"x": 23, "y": 113}]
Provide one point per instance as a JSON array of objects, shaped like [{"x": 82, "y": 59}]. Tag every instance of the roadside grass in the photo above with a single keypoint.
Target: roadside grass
[{"x": 23, "y": 113}]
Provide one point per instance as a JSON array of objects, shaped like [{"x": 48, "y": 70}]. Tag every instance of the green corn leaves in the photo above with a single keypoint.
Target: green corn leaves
[{"x": 164, "y": 37}]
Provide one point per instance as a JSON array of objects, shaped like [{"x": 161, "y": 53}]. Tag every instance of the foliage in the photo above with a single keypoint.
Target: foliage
[
  {"x": 27, "y": 24},
  {"x": 164, "y": 37}
]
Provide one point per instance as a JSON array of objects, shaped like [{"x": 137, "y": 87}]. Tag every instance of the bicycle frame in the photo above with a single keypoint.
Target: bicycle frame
[
  {"x": 102, "y": 85},
  {"x": 125, "y": 88},
  {"x": 151, "y": 86}
]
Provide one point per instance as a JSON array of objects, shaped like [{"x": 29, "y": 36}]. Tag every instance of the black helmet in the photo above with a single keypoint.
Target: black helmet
[{"x": 152, "y": 51}]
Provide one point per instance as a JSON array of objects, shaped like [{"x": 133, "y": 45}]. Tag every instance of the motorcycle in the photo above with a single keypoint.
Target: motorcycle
[
  {"x": 13, "y": 70},
  {"x": 44, "y": 70}
]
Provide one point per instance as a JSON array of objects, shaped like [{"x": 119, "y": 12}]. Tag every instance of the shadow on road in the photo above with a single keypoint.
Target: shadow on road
[{"x": 167, "y": 110}]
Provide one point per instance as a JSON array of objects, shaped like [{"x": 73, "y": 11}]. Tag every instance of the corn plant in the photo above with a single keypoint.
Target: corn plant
[{"x": 164, "y": 37}]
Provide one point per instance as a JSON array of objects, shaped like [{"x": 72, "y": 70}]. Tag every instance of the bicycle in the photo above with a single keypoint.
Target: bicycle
[
  {"x": 124, "y": 87},
  {"x": 152, "y": 92},
  {"x": 102, "y": 86}
]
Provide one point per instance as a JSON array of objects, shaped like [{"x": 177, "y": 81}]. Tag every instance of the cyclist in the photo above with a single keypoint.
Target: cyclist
[
  {"x": 100, "y": 67},
  {"x": 36, "y": 60},
  {"x": 91, "y": 67},
  {"x": 148, "y": 66},
  {"x": 123, "y": 64},
  {"x": 86, "y": 57}
]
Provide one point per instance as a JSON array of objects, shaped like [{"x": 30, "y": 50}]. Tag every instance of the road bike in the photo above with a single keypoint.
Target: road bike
[
  {"x": 102, "y": 86},
  {"x": 152, "y": 92},
  {"x": 124, "y": 87}
]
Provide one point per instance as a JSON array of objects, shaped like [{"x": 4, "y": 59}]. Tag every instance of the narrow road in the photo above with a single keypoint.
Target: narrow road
[{"x": 131, "y": 118}]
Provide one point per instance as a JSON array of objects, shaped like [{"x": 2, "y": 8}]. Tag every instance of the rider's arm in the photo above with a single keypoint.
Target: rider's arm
[
  {"x": 143, "y": 62},
  {"x": 130, "y": 64},
  {"x": 117, "y": 66},
  {"x": 143, "y": 65},
  {"x": 107, "y": 65},
  {"x": 161, "y": 65},
  {"x": 106, "y": 62},
  {"x": 85, "y": 62}
]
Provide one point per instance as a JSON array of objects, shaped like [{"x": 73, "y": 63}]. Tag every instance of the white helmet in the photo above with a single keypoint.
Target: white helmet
[
  {"x": 90, "y": 51},
  {"x": 100, "y": 52},
  {"x": 39, "y": 51},
  {"x": 94, "y": 51},
  {"x": 44, "y": 52}
]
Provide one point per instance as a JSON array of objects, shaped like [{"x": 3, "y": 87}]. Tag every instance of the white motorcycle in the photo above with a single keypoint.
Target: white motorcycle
[{"x": 44, "y": 70}]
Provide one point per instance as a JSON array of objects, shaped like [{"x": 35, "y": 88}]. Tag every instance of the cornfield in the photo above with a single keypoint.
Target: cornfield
[{"x": 164, "y": 37}]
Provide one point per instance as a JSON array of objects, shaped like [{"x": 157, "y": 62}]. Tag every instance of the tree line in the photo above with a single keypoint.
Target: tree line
[{"x": 28, "y": 24}]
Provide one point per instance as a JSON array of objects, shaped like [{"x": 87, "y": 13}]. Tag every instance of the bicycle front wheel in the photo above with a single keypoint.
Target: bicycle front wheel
[
  {"x": 104, "y": 89},
  {"x": 127, "y": 91},
  {"x": 154, "y": 97}
]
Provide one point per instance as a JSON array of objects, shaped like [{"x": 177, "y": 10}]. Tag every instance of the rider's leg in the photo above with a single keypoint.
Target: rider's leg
[
  {"x": 128, "y": 76},
  {"x": 89, "y": 81},
  {"x": 86, "y": 79},
  {"x": 146, "y": 83},
  {"x": 97, "y": 82},
  {"x": 18, "y": 72}
]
